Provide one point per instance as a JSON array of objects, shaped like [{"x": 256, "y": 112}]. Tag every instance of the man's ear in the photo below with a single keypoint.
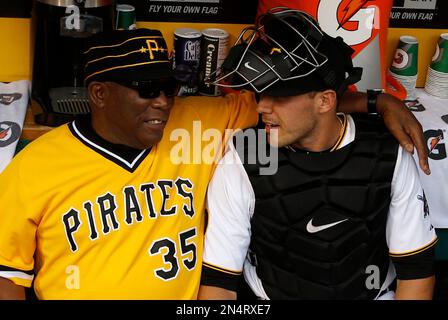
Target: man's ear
[
  {"x": 98, "y": 93},
  {"x": 327, "y": 101}
]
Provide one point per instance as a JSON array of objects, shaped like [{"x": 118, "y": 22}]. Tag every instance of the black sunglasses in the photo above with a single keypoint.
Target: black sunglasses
[{"x": 150, "y": 89}]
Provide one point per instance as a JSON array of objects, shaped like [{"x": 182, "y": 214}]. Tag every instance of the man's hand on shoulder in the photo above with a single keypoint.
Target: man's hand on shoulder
[
  {"x": 405, "y": 127},
  {"x": 401, "y": 123}
]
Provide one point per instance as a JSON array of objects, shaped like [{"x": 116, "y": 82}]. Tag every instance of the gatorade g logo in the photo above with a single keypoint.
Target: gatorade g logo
[
  {"x": 350, "y": 19},
  {"x": 436, "y": 149},
  {"x": 414, "y": 105},
  {"x": 9, "y": 133},
  {"x": 401, "y": 59},
  {"x": 8, "y": 98}
]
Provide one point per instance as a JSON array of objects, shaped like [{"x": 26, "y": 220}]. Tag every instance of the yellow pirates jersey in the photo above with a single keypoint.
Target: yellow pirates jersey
[{"x": 85, "y": 221}]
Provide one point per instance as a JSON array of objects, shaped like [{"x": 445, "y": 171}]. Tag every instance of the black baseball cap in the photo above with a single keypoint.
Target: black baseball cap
[{"x": 127, "y": 55}]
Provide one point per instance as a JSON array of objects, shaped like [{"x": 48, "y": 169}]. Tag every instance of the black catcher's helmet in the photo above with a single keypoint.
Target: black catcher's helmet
[{"x": 286, "y": 53}]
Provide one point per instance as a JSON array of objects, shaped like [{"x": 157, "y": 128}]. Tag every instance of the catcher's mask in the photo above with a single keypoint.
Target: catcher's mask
[{"x": 284, "y": 54}]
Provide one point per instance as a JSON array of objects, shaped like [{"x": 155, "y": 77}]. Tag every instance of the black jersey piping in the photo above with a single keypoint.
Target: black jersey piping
[{"x": 108, "y": 154}]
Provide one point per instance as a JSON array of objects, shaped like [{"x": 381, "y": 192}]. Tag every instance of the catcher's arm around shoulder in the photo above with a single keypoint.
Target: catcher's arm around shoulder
[{"x": 401, "y": 122}]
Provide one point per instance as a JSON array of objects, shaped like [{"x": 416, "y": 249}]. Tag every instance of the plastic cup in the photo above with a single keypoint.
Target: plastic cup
[
  {"x": 126, "y": 19},
  {"x": 440, "y": 59},
  {"x": 405, "y": 62}
]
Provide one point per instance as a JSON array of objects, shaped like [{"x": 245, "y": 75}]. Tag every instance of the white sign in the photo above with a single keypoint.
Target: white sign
[{"x": 419, "y": 4}]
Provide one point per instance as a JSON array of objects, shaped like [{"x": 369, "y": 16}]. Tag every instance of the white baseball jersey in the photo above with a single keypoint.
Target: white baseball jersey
[{"x": 231, "y": 202}]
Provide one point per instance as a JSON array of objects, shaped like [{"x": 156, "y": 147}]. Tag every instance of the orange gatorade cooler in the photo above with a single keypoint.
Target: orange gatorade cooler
[{"x": 362, "y": 24}]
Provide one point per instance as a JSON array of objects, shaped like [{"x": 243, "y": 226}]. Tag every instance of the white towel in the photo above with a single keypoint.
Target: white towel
[
  {"x": 431, "y": 111},
  {"x": 14, "y": 98}
]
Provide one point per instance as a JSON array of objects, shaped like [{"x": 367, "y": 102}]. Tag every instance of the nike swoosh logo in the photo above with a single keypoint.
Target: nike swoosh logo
[
  {"x": 314, "y": 229},
  {"x": 248, "y": 66}
]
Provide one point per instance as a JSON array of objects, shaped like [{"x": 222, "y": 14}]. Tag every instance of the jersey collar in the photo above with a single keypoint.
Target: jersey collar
[{"x": 125, "y": 156}]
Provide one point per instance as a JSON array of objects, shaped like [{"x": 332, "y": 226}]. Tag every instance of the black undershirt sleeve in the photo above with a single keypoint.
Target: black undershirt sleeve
[
  {"x": 417, "y": 266},
  {"x": 215, "y": 278}
]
